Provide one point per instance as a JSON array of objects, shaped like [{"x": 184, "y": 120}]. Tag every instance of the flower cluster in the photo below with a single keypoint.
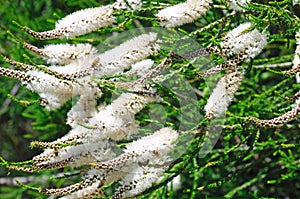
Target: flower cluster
[
  {"x": 223, "y": 94},
  {"x": 74, "y": 72},
  {"x": 85, "y": 21},
  {"x": 183, "y": 13},
  {"x": 240, "y": 44},
  {"x": 244, "y": 39},
  {"x": 78, "y": 71}
]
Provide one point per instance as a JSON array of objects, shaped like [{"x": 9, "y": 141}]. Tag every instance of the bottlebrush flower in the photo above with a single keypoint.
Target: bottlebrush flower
[
  {"x": 116, "y": 121},
  {"x": 141, "y": 68},
  {"x": 147, "y": 149},
  {"x": 277, "y": 121},
  {"x": 182, "y": 13},
  {"x": 158, "y": 144},
  {"x": 110, "y": 62},
  {"x": 86, "y": 20},
  {"x": 90, "y": 187},
  {"x": 63, "y": 53},
  {"x": 53, "y": 92},
  {"x": 56, "y": 91},
  {"x": 143, "y": 162},
  {"x": 74, "y": 156},
  {"x": 241, "y": 44},
  {"x": 242, "y": 39},
  {"x": 68, "y": 82},
  {"x": 151, "y": 157},
  {"x": 78, "y": 23},
  {"x": 138, "y": 181},
  {"x": 123, "y": 56},
  {"x": 137, "y": 175},
  {"x": 58, "y": 84},
  {"x": 223, "y": 94}
]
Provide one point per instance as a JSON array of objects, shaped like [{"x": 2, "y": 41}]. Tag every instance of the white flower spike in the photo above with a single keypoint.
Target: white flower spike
[
  {"x": 123, "y": 56},
  {"x": 182, "y": 13},
  {"x": 78, "y": 23},
  {"x": 244, "y": 40},
  {"x": 63, "y": 53},
  {"x": 223, "y": 94}
]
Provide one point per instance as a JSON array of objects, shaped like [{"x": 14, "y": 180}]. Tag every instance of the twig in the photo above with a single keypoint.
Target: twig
[
  {"x": 12, "y": 181},
  {"x": 285, "y": 64}
]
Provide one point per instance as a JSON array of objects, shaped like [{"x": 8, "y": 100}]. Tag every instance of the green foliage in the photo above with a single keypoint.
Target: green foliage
[{"x": 246, "y": 162}]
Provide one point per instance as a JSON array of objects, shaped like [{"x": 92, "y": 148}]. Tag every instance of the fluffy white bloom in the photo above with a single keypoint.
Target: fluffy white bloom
[
  {"x": 141, "y": 68},
  {"x": 151, "y": 152},
  {"x": 66, "y": 53},
  {"x": 296, "y": 61},
  {"x": 116, "y": 121},
  {"x": 84, "y": 107},
  {"x": 146, "y": 150},
  {"x": 76, "y": 66},
  {"x": 85, "y": 21},
  {"x": 74, "y": 156},
  {"x": 235, "y": 5},
  {"x": 121, "y": 57},
  {"x": 243, "y": 40},
  {"x": 122, "y": 5},
  {"x": 91, "y": 186},
  {"x": 83, "y": 88},
  {"x": 138, "y": 181},
  {"x": 223, "y": 94},
  {"x": 135, "y": 175},
  {"x": 159, "y": 142},
  {"x": 78, "y": 23},
  {"x": 54, "y": 91},
  {"x": 63, "y": 53},
  {"x": 183, "y": 13}
]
